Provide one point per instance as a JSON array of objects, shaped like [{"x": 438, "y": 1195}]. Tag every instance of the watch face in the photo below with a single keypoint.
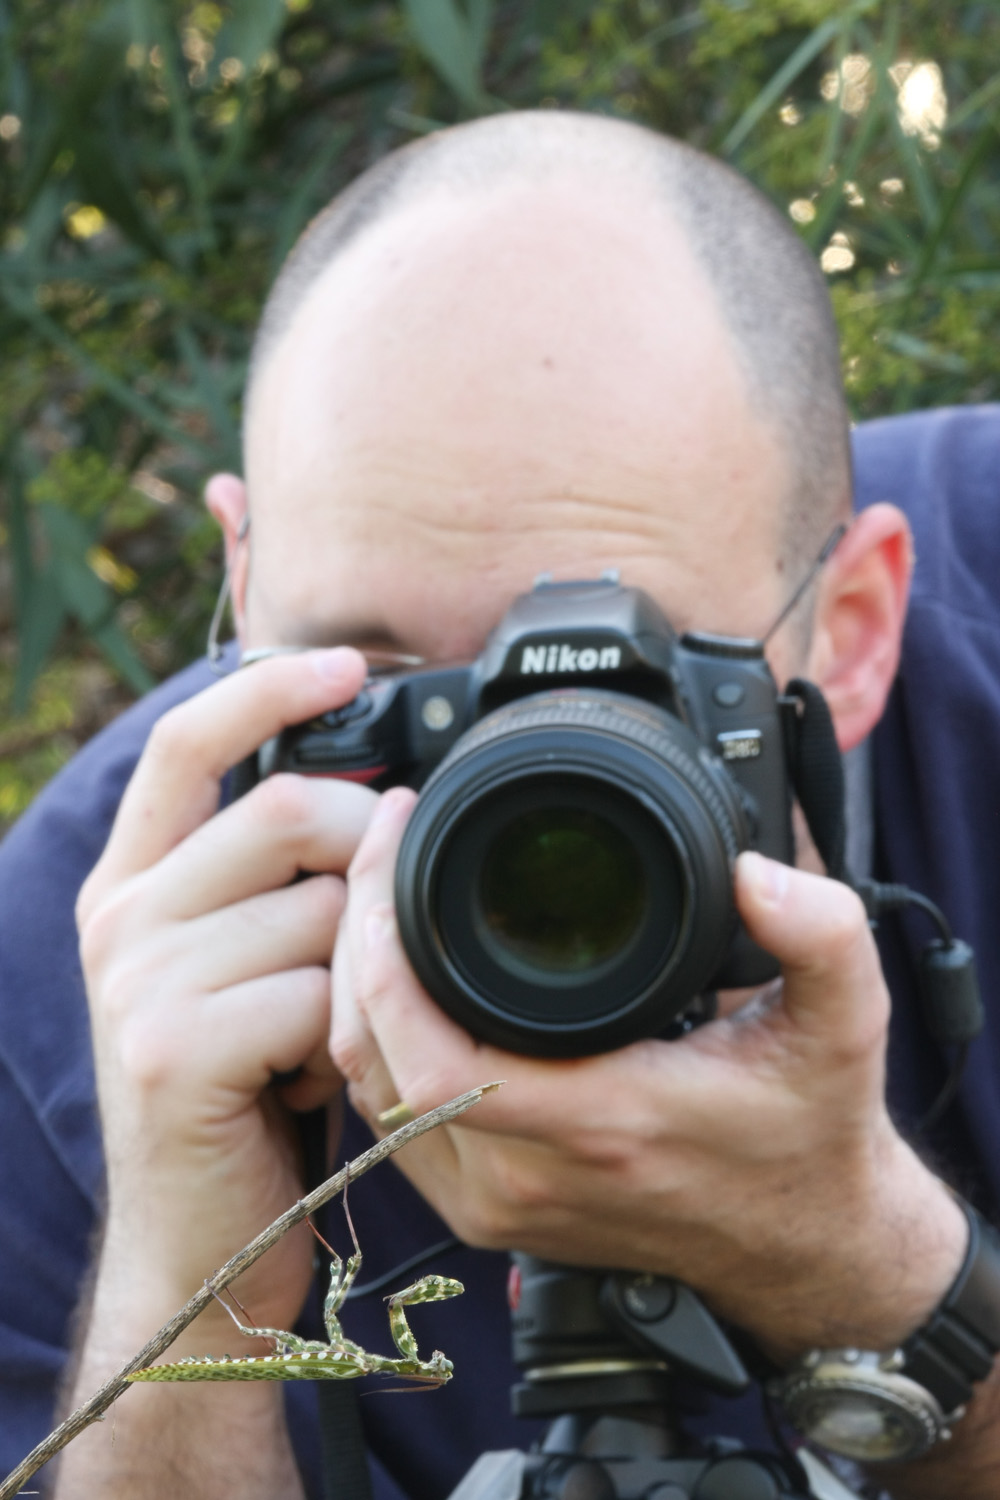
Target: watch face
[
  {"x": 863, "y": 1426},
  {"x": 849, "y": 1403}
]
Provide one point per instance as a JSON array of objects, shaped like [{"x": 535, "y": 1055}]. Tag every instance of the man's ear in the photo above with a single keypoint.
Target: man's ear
[
  {"x": 858, "y": 625},
  {"x": 226, "y": 498}
]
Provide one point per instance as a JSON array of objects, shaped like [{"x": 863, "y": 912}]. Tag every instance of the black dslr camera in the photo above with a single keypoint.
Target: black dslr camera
[{"x": 564, "y": 885}]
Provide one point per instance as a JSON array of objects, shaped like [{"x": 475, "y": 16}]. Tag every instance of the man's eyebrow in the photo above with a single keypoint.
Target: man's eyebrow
[
  {"x": 373, "y": 641},
  {"x": 358, "y": 634}
]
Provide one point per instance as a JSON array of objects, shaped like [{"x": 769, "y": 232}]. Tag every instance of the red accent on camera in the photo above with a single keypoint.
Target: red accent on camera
[{"x": 364, "y": 774}]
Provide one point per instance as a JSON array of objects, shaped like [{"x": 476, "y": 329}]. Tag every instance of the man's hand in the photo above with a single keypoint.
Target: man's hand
[
  {"x": 208, "y": 972},
  {"x": 754, "y": 1160}
]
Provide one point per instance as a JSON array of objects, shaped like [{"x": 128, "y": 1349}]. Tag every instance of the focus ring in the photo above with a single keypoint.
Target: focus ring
[
  {"x": 633, "y": 722},
  {"x": 633, "y": 765}
]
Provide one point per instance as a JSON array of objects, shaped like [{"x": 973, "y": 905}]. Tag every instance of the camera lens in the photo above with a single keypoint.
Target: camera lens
[
  {"x": 564, "y": 885},
  {"x": 562, "y": 889}
]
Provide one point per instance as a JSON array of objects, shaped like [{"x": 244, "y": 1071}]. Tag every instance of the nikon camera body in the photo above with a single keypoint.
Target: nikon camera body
[{"x": 564, "y": 885}]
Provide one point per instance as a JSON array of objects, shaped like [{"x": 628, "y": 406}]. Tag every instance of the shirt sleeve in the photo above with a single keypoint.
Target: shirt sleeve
[{"x": 51, "y": 1165}]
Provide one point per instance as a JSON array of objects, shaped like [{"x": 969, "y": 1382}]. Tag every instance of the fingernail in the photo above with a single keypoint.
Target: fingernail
[
  {"x": 334, "y": 664},
  {"x": 767, "y": 878},
  {"x": 389, "y": 806},
  {"x": 380, "y": 925}
]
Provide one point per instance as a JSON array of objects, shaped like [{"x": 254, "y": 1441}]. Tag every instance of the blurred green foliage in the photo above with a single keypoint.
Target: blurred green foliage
[{"x": 158, "y": 159}]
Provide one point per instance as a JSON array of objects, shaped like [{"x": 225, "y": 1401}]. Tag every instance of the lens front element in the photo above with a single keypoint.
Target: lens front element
[
  {"x": 564, "y": 885},
  {"x": 562, "y": 890}
]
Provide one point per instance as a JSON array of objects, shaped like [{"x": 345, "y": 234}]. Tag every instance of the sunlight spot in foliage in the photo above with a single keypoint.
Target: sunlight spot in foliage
[
  {"x": 207, "y": 18},
  {"x": 232, "y": 69},
  {"x": 112, "y": 572},
  {"x": 223, "y": 113},
  {"x": 802, "y": 210},
  {"x": 789, "y": 113},
  {"x": 853, "y": 83},
  {"x": 891, "y": 187},
  {"x": 838, "y": 255},
  {"x": 199, "y": 51},
  {"x": 197, "y": 47},
  {"x": 84, "y": 220},
  {"x": 154, "y": 488},
  {"x": 854, "y": 195},
  {"x": 922, "y": 102},
  {"x": 10, "y": 127}
]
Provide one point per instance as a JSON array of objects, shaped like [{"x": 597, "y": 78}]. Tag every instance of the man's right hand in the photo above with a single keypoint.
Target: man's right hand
[{"x": 207, "y": 972}]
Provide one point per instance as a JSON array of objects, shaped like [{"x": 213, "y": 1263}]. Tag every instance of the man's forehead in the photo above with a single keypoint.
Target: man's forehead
[
  {"x": 478, "y": 394},
  {"x": 399, "y": 591}
]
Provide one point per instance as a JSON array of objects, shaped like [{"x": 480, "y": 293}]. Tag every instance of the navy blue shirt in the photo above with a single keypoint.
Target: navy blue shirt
[{"x": 937, "y": 828}]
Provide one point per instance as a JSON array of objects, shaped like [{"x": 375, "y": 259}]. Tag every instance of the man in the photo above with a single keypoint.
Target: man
[{"x": 537, "y": 342}]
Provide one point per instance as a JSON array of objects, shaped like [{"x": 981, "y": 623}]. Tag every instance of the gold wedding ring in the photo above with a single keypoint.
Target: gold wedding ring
[{"x": 397, "y": 1115}]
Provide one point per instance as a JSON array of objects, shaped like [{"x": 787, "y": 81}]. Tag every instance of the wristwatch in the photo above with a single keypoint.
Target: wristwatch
[{"x": 892, "y": 1407}]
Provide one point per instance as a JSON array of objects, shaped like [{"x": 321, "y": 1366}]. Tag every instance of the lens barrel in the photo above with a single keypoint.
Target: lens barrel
[{"x": 564, "y": 885}]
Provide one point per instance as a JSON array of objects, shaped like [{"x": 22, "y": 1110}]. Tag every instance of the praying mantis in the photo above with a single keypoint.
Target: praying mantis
[{"x": 340, "y": 1359}]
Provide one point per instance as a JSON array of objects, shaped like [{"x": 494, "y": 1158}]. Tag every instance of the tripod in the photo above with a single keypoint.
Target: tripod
[{"x": 600, "y": 1352}]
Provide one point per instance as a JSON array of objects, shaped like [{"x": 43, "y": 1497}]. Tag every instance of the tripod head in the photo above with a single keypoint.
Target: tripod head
[
  {"x": 601, "y": 1354},
  {"x": 593, "y": 1337}
]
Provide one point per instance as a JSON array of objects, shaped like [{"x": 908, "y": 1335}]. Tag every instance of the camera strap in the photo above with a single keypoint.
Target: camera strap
[
  {"x": 346, "y": 1475},
  {"x": 817, "y": 770},
  {"x": 343, "y": 1451},
  {"x": 949, "y": 988}
]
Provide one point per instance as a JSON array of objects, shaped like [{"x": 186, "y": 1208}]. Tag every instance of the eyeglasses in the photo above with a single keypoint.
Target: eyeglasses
[
  {"x": 823, "y": 556},
  {"x": 213, "y": 650},
  {"x": 386, "y": 659}
]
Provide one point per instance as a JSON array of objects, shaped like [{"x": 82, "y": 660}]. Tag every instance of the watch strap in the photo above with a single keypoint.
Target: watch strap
[{"x": 957, "y": 1345}]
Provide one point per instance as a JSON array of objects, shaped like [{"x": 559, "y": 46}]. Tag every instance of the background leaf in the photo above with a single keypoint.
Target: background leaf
[
  {"x": 251, "y": 30},
  {"x": 453, "y": 41}
]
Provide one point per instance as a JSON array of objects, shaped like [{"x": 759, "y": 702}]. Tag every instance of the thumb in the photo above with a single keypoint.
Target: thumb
[{"x": 818, "y": 931}]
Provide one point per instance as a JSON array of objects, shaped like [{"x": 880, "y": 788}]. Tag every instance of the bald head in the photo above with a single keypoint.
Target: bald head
[
  {"x": 538, "y": 342},
  {"x": 764, "y": 285}
]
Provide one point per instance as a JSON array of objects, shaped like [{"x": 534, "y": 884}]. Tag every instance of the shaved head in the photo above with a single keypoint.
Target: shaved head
[{"x": 767, "y": 290}]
